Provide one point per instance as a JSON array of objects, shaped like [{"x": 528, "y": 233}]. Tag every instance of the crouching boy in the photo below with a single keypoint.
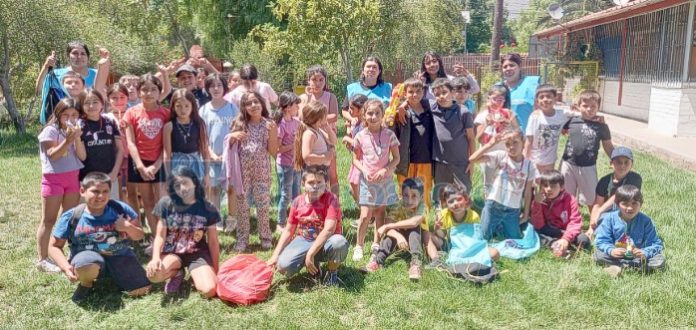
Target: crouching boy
[
  {"x": 313, "y": 233},
  {"x": 555, "y": 214},
  {"x": 627, "y": 237},
  {"x": 98, "y": 233}
]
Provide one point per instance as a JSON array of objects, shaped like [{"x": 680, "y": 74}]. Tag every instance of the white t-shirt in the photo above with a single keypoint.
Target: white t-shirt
[
  {"x": 510, "y": 178},
  {"x": 545, "y": 132},
  {"x": 262, "y": 88}
]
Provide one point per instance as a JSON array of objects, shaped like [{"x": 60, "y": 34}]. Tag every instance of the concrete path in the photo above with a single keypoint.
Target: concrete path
[{"x": 679, "y": 151}]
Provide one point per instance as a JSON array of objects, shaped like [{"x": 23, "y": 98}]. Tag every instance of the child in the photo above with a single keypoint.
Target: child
[
  {"x": 579, "y": 165},
  {"x": 186, "y": 236},
  {"x": 99, "y": 233},
  {"x": 374, "y": 143},
  {"x": 403, "y": 225},
  {"x": 493, "y": 120},
  {"x": 144, "y": 123},
  {"x": 132, "y": 84},
  {"x": 627, "y": 237},
  {"x": 454, "y": 137},
  {"x": 356, "y": 104},
  {"x": 60, "y": 150},
  {"x": 73, "y": 83},
  {"x": 288, "y": 178},
  {"x": 118, "y": 99},
  {"x": 256, "y": 137},
  {"x": 621, "y": 162},
  {"x": 102, "y": 141},
  {"x": 185, "y": 137},
  {"x": 218, "y": 115},
  {"x": 315, "y": 141},
  {"x": 313, "y": 233},
  {"x": 460, "y": 88},
  {"x": 544, "y": 129},
  {"x": 455, "y": 202},
  {"x": 415, "y": 139},
  {"x": 233, "y": 80},
  {"x": 512, "y": 186},
  {"x": 555, "y": 214}
]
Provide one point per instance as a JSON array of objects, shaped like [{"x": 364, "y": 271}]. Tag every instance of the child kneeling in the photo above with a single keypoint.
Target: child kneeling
[
  {"x": 627, "y": 237},
  {"x": 314, "y": 231},
  {"x": 403, "y": 225},
  {"x": 98, "y": 233},
  {"x": 556, "y": 215}
]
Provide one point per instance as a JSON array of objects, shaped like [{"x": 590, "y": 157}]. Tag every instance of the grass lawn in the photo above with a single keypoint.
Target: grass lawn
[{"x": 539, "y": 292}]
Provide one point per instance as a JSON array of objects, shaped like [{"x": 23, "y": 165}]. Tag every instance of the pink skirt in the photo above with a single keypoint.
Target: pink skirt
[{"x": 354, "y": 175}]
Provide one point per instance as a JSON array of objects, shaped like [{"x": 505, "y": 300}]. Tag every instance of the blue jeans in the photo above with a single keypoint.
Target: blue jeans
[
  {"x": 289, "y": 188},
  {"x": 496, "y": 216},
  {"x": 292, "y": 259}
]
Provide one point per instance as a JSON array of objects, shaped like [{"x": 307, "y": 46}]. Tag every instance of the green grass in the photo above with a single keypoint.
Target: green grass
[{"x": 540, "y": 292}]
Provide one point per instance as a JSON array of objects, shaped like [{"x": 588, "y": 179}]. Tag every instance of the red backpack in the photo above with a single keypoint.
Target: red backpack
[{"x": 244, "y": 280}]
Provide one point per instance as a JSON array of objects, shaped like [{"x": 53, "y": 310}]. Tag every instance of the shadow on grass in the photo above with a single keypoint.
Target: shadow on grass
[
  {"x": 105, "y": 298},
  {"x": 350, "y": 280},
  {"x": 177, "y": 298}
]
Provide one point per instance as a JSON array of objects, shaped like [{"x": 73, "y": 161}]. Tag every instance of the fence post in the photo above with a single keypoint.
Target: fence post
[{"x": 689, "y": 41}]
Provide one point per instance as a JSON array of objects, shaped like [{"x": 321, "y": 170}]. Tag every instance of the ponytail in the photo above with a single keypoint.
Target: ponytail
[{"x": 299, "y": 161}]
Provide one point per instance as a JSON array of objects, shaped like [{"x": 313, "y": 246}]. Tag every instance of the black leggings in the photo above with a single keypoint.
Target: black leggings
[{"x": 387, "y": 245}]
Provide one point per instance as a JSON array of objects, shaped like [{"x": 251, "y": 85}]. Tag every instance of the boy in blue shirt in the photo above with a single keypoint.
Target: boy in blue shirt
[
  {"x": 627, "y": 237},
  {"x": 98, "y": 233}
]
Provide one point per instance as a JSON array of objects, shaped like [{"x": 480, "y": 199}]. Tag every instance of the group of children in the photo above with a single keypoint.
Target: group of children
[{"x": 176, "y": 163}]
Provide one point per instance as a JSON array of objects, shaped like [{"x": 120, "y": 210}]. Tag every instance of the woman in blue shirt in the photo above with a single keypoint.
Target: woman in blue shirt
[
  {"x": 520, "y": 98},
  {"x": 371, "y": 84}
]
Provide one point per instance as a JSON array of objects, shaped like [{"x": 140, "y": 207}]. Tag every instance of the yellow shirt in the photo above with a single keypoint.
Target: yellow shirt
[
  {"x": 447, "y": 218},
  {"x": 399, "y": 212}
]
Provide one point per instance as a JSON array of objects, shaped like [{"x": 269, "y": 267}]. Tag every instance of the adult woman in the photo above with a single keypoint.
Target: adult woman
[
  {"x": 78, "y": 59},
  {"x": 249, "y": 76},
  {"x": 432, "y": 68},
  {"x": 371, "y": 84},
  {"x": 520, "y": 97}
]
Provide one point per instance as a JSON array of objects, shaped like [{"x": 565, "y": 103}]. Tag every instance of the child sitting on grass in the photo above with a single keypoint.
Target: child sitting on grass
[
  {"x": 402, "y": 228},
  {"x": 555, "y": 214},
  {"x": 627, "y": 237},
  {"x": 98, "y": 233},
  {"x": 455, "y": 202},
  {"x": 314, "y": 232}
]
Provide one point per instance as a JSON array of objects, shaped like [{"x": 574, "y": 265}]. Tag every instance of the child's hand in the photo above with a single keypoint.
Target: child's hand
[
  {"x": 163, "y": 70},
  {"x": 593, "y": 223},
  {"x": 401, "y": 113},
  {"x": 638, "y": 253},
  {"x": 562, "y": 244},
  {"x": 151, "y": 172},
  {"x": 238, "y": 136},
  {"x": 438, "y": 223},
  {"x": 271, "y": 125},
  {"x": 122, "y": 223},
  {"x": 523, "y": 217},
  {"x": 401, "y": 243},
  {"x": 420, "y": 75},
  {"x": 153, "y": 267},
  {"x": 618, "y": 253},
  {"x": 70, "y": 274},
  {"x": 272, "y": 262},
  {"x": 460, "y": 70},
  {"x": 539, "y": 196},
  {"x": 379, "y": 176},
  {"x": 383, "y": 230},
  {"x": 104, "y": 56},
  {"x": 309, "y": 263}
]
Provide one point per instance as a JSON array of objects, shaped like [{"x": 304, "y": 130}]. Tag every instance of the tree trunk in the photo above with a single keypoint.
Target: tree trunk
[
  {"x": 11, "y": 106},
  {"x": 495, "y": 36},
  {"x": 345, "y": 57}
]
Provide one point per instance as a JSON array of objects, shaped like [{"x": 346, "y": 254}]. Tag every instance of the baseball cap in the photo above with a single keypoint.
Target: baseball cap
[
  {"x": 622, "y": 152},
  {"x": 186, "y": 68}
]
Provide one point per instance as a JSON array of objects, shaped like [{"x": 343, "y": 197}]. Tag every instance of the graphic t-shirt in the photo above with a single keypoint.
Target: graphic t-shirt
[
  {"x": 584, "y": 137},
  {"x": 186, "y": 225},
  {"x": 218, "y": 123},
  {"x": 510, "y": 179},
  {"x": 67, "y": 162},
  {"x": 147, "y": 126},
  {"x": 309, "y": 217},
  {"x": 375, "y": 148},
  {"x": 99, "y": 138},
  {"x": 399, "y": 212},
  {"x": 96, "y": 233},
  {"x": 451, "y": 145},
  {"x": 493, "y": 122},
  {"x": 545, "y": 132},
  {"x": 286, "y": 134}
]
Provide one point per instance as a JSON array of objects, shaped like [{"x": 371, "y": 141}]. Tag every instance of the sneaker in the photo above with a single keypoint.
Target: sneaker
[
  {"x": 331, "y": 278},
  {"x": 81, "y": 293},
  {"x": 374, "y": 249},
  {"x": 266, "y": 245},
  {"x": 371, "y": 267},
  {"x": 613, "y": 271},
  {"x": 436, "y": 264},
  {"x": 354, "y": 223},
  {"x": 414, "y": 272},
  {"x": 357, "y": 253},
  {"x": 240, "y": 248},
  {"x": 47, "y": 266},
  {"x": 174, "y": 283},
  {"x": 230, "y": 224}
]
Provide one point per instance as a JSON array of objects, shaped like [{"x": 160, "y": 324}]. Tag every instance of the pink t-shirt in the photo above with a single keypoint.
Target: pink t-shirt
[
  {"x": 262, "y": 88},
  {"x": 375, "y": 148},
  {"x": 147, "y": 126},
  {"x": 286, "y": 133}
]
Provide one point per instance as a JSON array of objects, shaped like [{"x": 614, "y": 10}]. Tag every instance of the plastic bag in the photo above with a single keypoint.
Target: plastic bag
[{"x": 244, "y": 280}]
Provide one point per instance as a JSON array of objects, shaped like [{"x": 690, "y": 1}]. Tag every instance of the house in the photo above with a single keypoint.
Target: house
[{"x": 648, "y": 60}]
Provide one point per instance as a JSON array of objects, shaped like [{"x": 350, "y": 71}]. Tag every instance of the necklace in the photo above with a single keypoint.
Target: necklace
[
  {"x": 95, "y": 135},
  {"x": 185, "y": 130},
  {"x": 378, "y": 145}
]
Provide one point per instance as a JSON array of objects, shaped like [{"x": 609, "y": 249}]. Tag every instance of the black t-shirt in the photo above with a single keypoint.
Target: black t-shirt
[
  {"x": 422, "y": 128},
  {"x": 606, "y": 187},
  {"x": 185, "y": 137},
  {"x": 584, "y": 137},
  {"x": 100, "y": 143},
  {"x": 187, "y": 225},
  {"x": 450, "y": 143},
  {"x": 201, "y": 96}
]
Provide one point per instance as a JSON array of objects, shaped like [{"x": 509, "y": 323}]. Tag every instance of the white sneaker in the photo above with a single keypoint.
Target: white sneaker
[
  {"x": 357, "y": 253},
  {"x": 230, "y": 224},
  {"x": 47, "y": 267}
]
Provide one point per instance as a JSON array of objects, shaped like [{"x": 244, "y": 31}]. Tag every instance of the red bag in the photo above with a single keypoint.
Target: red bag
[{"x": 244, "y": 280}]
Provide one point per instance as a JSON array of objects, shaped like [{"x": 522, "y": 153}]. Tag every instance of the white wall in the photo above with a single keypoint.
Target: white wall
[
  {"x": 664, "y": 110},
  {"x": 635, "y": 101},
  {"x": 687, "y": 113}
]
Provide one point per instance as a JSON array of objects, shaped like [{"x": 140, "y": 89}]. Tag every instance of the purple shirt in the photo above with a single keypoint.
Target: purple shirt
[
  {"x": 66, "y": 163},
  {"x": 286, "y": 134}
]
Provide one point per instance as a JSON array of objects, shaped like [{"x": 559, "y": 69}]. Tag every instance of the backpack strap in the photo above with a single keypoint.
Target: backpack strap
[{"x": 72, "y": 225}]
